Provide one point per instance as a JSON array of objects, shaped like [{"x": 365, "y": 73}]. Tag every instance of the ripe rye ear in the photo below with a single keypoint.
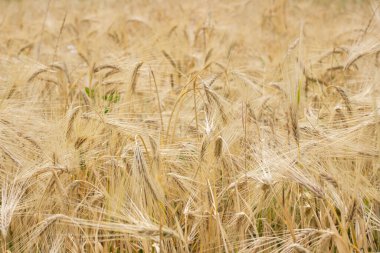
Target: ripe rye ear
[
  {"x": 294, "y": 124},
  {"x": 218, "y": 147},
  {"x": 70, "y": 123},
  {"x": 135, "y": 77}
]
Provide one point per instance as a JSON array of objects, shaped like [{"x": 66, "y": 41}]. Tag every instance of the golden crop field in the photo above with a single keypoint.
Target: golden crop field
[{"x": 190, "y": 126}]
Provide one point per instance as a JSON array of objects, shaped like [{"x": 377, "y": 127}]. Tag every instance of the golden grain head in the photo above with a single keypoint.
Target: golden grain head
[{"x": 192, "y": 126}]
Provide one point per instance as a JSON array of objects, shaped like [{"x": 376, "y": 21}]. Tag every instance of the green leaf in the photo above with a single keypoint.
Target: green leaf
[
  {"x": 299, "y": 92},
  {"x": 112, "y": 97},
  {"x": 90, "y": 92}
]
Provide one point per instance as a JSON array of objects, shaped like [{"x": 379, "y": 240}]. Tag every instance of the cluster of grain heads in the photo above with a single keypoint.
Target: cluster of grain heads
[
  {"x": 140, "y": 126},
  {"x": 11, "y": 194}
]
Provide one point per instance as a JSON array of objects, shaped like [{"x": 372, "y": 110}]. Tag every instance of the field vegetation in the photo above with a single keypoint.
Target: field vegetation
[{"x": 190, "y": 126}]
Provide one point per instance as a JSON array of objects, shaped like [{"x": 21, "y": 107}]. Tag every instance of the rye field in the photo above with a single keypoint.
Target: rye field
[{"x": 190, "y": 126}]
